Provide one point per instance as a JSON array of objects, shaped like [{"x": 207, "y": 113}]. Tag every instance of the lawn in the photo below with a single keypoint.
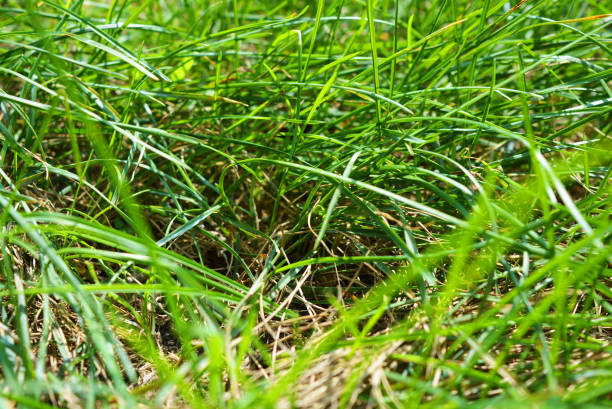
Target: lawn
[{"x": 305, "y": 204}]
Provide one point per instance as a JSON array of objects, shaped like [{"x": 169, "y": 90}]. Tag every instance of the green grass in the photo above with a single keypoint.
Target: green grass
[{"x": 397, "y": 204}]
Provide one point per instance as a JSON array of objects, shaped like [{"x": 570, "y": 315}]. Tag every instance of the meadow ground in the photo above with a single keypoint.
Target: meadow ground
[{"x": 311, "y": 204}]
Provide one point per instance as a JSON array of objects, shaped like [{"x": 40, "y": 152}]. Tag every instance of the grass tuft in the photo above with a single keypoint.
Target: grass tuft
[{"x": 386, "y": 203}]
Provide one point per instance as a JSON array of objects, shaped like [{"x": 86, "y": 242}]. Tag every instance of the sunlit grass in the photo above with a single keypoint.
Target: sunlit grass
[{"x": 305, "y": 204}]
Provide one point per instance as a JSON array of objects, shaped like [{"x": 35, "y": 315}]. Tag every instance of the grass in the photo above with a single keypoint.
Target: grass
[{"x": 233, "y": 204}]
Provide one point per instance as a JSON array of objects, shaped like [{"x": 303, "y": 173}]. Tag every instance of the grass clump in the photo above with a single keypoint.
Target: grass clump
[{"x": 305, "y": 204}]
